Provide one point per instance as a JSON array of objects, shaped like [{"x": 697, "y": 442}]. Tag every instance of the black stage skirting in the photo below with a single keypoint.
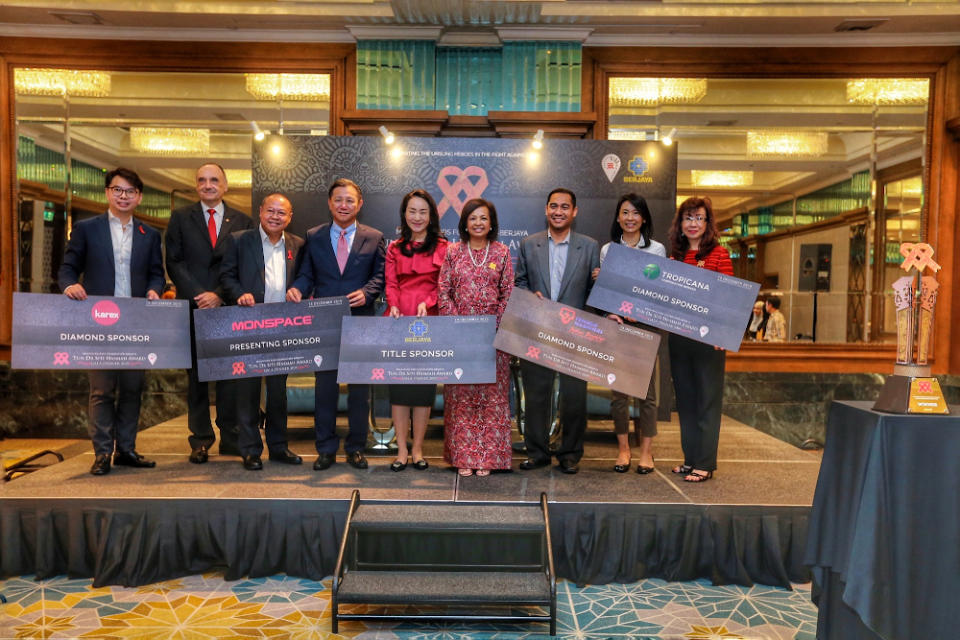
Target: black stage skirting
[{"x": 133, "y": 542}]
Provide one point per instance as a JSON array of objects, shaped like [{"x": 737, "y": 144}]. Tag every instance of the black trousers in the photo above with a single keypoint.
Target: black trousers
[
  {"x": 248, "y": 415},
  {"x": 326, "y": 394},
  {"x": 698, "y": 384},
  {"x": 114, "y": 409},
  {"x": 537, "y": 388},
  {"x": 198, "y": 407}
]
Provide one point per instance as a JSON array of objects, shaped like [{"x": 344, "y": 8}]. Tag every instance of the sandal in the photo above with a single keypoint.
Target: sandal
[
  {"x": 695, "y": 476},
  {"x": 682, "y": 470},
  {"x": 464, "y": 473},
  {"x": 483, "y": 473}
]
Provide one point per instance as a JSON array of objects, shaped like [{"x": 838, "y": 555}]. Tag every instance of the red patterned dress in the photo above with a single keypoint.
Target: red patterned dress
[{"x": 476, "y": 417}]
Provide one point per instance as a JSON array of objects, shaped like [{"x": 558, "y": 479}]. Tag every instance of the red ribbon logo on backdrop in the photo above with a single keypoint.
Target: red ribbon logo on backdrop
[
  {"x": 454, "y": 181},
  {"x": 567, "y": 315},
  {"x": 533, "y": 352},
  {"x": 239, "y": 369},
  {"x": 377, "y": 374},
  {"x": 61, "y": 357},
  {"x": 918, "y": 256}
]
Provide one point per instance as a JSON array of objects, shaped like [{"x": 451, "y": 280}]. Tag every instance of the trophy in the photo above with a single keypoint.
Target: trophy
[{"x": 911, "y": 389}]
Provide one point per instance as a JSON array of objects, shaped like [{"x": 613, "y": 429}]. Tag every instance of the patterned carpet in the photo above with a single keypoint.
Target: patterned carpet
[{"x": 206, "y": 606}]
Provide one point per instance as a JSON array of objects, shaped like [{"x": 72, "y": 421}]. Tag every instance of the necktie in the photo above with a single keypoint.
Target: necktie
[
  {"x": 342, "y": 250},
  {"x": 212, "y": 227}
]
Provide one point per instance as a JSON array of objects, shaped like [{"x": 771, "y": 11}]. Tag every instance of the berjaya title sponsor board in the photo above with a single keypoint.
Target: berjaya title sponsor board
[
  {"x": 696, "y": 303},
  {"x": 411, "y": 350},
  {"x": 578, "y": 343},
  {"x": 54, "y": 332},
  {"x": 269, "y": 339}
]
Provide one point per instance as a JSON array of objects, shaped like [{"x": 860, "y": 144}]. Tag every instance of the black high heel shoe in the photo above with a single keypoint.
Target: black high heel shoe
[
  {"x": 622, "y": 468},
  {"x": 398, "y": 466},
  {"x": 642, "y": 470}
]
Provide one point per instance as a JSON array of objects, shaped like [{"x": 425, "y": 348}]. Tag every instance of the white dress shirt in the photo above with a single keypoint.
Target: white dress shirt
[
  {"x": 274, "y": 269},
  {"x": 121, "y": 235}
]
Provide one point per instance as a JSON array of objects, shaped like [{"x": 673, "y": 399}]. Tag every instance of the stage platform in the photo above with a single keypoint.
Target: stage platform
[{"x": 134, "y": 527}]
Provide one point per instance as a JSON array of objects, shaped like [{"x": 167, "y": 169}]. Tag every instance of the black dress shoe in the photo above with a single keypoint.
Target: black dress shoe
[
  {"x": 356, "y": 460},
  {"x": 623, "y": 468},
  {"x": 569, "y": 466},
  {"x": 132, "y": 459},
  {"x": 101, "y": 465},
  {"x": 252, "y": 463},
  {"x": 199, "y": 455},
  {"x": 324, "y": 461},
  {"x": 421, "y": 465},
  {"x": 533, "y": 463},
  {"x": 286, "y": 456}
]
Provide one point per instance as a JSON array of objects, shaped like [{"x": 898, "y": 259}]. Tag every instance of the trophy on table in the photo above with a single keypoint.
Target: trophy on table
[{"x": 911, "y": 388}]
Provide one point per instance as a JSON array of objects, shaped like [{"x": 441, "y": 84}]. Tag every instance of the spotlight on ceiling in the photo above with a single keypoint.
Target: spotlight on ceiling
[
  {"x": 388, "y": 136},
  {"x": 258, "y": 133},
  {"x": 538, "y": 139},
  {"x": 668, "y": 139}
]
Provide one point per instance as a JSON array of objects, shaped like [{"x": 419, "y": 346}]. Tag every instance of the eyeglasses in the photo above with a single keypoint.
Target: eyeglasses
[
  {"x": 120, "y": 191},
  {"x": 692, "y": 218}
]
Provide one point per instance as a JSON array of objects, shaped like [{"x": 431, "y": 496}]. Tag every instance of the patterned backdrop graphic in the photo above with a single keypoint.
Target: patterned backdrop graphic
[{"x": 453, "y": 170}]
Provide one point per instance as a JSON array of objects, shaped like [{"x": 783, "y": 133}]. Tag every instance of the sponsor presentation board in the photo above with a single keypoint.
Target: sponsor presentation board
[
  {"x": 269, "y": 339},
  {"x": 410, "y": 350},
  {"x": 51, "y": 331}
]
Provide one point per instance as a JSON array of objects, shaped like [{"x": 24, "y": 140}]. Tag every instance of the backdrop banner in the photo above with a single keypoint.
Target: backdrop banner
[
  {"x": 269, "y": 339},
  {"x": 453, "y": 170},
  {"x": 578, "y": 343},
  {"x": 51, "y": 331},
  {"x": 703, "y": 305},
  {"x": 410, "y": 350}
]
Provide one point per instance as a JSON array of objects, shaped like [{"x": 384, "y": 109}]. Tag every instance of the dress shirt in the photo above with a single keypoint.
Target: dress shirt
[
  {"x": 335, "y": 235},
  {"x": 217, "y": 217},
  {"x": 121, "y": 235},
  {"x": 274, "y": 269},
  {"x": 558, "y": 262}
]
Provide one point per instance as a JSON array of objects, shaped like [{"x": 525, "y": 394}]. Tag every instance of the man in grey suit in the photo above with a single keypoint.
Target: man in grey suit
[
  {"x": 258, "y": 266},
  {"x": 193, "y": 264},
  {"x": 556, "y": 264}
]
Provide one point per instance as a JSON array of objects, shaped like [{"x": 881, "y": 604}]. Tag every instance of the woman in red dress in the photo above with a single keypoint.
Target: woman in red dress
[
  {"x": 476, "y": 279},
  {"x": 697, "y": 367},
  {"x": 412, "y": 272}
]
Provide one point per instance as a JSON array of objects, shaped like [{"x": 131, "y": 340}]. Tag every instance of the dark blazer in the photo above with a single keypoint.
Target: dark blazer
[
  {"x": 320, "y": 277},
  {"x": 89, "y": 255},
  {"x": 242, "y": 268},
  {"x": 533, "y": 267},
  {"x": 193, "y": 265}
]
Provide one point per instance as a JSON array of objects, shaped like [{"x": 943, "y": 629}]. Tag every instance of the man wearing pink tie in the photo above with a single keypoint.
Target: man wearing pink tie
[
  {"x": 341, "y": 258},
  {"x": 193, "y": 265}
]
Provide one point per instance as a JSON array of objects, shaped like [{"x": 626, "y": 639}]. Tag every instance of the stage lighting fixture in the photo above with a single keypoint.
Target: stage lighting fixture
[
  {"x": 668, "y": 139},
  {"x": 538, "y": 139},
  {"x": 258, "y": 133},
  {"x": 388, "y": 136}
]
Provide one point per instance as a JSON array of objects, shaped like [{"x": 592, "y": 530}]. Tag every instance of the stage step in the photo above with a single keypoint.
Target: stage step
[{"x": 443, "y": 555}]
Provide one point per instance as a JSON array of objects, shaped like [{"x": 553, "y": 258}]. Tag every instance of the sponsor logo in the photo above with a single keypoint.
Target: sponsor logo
[
  {"x": 418, "y": 328},
  {"x": 271, "y": 323},
  {"x": 239, "y": 369},
  {"x": 651, "y": 271},
  {"x": 377, "y": 374},
  {"x": 611, "y": 165},
  {"x": 105, "y": 312},
  {"x": 567, "y": 315},
  {"x": 61, "y": 358},
  {"x": 638, "y": 167}
]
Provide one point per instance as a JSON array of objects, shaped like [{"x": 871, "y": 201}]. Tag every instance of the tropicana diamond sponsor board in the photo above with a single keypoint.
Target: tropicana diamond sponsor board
[
  {"x": 102, "y": 332},
  {"x": 702, "y": 305},
  {"x": 410, "y": 350},
  {"x": 269, "y": 339},
  {"x": 577, "y": 343}
]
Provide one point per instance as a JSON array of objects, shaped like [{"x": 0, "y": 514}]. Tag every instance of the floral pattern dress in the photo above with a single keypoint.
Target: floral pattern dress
[{"x": 476, "y": 417}]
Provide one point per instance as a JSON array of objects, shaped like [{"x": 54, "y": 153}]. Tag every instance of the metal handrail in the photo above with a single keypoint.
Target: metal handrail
[
  {"x": 338, "y": 572},
  {"x": 550, "y": 570}
]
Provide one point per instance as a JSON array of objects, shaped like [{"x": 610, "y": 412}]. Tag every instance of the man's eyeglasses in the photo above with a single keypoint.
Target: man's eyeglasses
[
  {"x": 693, "y": 218},
  {"x": 120, "y": 191}
]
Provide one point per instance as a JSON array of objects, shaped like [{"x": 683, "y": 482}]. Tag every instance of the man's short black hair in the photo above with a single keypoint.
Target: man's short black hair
[
  {"x": 127, "y": 174},
  {"x": 344, "y": 182},
  {"x": 573, "y": 196},
  {"x": 774, "y": 302}
]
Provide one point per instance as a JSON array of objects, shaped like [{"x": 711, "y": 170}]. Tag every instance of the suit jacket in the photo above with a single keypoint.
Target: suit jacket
[
  {"x": 320, "y": 277},
  {"x": 193, "y": 265},
  {"x": 89, "y": 255},
  {"x": 533, "y": 267},
  {"x": 242, "y": 269}
]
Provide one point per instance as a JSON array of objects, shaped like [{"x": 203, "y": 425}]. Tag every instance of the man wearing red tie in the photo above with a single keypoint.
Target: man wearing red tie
[{"x": 193, "y": 265}]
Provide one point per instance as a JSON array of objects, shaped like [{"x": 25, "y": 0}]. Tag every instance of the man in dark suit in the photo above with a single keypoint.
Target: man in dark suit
[
  {"x": 114, "y": 255},
  {"x": 342, "y": 258},
  {"x": 258, "y": 264},
  {"x": 194, "y": 266},
  {"x": 556, "y": 264}
]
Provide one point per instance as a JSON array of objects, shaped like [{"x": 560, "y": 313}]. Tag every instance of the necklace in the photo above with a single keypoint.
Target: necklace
[
  {"x": 483, "y": 260},
  {"x": 632, "y": 246}
]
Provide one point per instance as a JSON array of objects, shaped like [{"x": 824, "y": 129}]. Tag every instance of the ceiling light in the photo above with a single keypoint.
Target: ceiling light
[
  {"x": 288, "y": 86},
  {"x": 632, "y": 92},
  {"x": 538, "y": 139},
  {"x": 888, "y": 91},
  {"x": 388, "y": 136},
  {"x": 163, "y": 141},
  {"x": 721, "y": 178},
  {"x": 59, "y": 82},
  {"x": 795, "y": 144}
]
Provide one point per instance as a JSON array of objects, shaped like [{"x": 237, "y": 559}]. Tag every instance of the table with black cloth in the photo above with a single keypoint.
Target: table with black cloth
[{"x": 884, "y": 535}]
